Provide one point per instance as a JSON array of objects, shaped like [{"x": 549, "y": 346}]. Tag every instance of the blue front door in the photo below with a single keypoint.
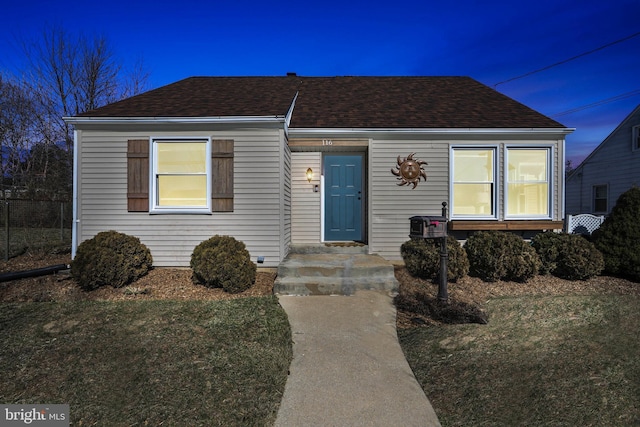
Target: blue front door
[{"x": 343, "y": 197}]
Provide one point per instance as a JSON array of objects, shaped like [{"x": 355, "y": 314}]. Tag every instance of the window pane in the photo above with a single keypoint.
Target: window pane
[
  {"x": 182, "y": 190},
  {"x": 472, "y": 165},
  {"x": 472, "y": 199},
  {"x": 527, "y": 165},
  {"x": 600, "y": 205},
  {"x": 181, "y": 157},
  {"x": 528, "y": 199},
  {"x": 600, "y": 198},
  {"x": 600, "y": 191},
  {"x": 528, "y": 182}
]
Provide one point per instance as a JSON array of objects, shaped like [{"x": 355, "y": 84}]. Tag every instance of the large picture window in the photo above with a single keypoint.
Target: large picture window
[
  {"x": 473, "y": 182},
  {"x": 527, "y": 182},
  {"x": 181, "y": 175}
]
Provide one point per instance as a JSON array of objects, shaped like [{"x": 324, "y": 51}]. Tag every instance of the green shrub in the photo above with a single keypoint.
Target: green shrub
[
  {"x": 547, "y": 245},
  {"x": 422, "y": 259},
  {"x": 110, "y": 258},
  {"x": 497, "y": 255},
  {"x": 223, "y": 262},
  {"x": 618, "y": 238},
  {"x": 568, "y": 256}
]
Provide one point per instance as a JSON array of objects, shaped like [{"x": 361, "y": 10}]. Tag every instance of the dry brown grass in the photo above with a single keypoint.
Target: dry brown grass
[
  {"x": 163, "y": 351},
  {"x": 471, "y": 290}
]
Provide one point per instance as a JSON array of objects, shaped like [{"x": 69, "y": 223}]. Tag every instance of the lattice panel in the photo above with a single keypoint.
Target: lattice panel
[{"x": 583, "y": 223}]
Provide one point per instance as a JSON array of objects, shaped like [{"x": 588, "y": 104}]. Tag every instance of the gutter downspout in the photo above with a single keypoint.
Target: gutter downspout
[
  {"x": 17, "y": 275},
  {"x": 74, "y": 224},
  {"x": 563, "y": 190}
]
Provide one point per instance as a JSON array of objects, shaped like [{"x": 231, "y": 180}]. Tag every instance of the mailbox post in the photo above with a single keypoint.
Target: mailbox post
[{"x": 434, "y": 227}]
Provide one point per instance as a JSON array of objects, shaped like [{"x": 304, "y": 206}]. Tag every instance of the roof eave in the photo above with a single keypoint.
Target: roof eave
[
  {"x": 300, "y": 132},
  {"x": 174, "y": 120}
]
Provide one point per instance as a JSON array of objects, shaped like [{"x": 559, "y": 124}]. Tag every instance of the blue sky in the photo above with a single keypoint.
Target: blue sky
[{"x": 491, "y": 41}]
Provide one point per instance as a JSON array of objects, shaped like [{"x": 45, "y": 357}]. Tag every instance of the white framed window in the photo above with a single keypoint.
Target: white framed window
[
  {"x": 527, "y": 186},
  {"x": 600, "y": 198},
  {"x": 473, "y": 187},
  {"x": 635, "y": 138},
  {"x": 180, "y": 175}
]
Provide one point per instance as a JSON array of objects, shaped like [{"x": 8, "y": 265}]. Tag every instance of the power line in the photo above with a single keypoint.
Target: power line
[
  {"x": 568, "y": 60},
  {"x": 598, "y": 103}
]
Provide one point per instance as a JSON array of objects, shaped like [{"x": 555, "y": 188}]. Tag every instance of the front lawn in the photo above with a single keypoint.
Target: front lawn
[
  {"x": 542, "y": 360},
  {"x": 135, "y": 363}
]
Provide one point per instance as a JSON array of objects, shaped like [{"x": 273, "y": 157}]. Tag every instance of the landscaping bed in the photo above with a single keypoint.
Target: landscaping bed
[{"x": 160, "y": 283}]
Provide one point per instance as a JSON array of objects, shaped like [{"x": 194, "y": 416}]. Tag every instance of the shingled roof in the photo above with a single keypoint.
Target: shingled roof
[{"x": 336, "y": 102}]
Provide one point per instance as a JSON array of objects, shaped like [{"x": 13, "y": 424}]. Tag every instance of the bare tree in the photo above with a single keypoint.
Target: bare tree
[
  {"x": 67, "y": 75},
  {"x": 568, "y": 167},
  {"x": 72, "y": 75},
  {"x": 18, "y": 130}
]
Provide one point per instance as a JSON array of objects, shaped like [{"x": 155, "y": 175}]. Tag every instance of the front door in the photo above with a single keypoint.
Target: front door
[{"x": 343, "y": 197}]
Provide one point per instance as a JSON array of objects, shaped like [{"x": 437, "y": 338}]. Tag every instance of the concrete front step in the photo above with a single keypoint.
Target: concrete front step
[
  {"x": 330, "y": 248},
  {"x": 333, "y": 274}
]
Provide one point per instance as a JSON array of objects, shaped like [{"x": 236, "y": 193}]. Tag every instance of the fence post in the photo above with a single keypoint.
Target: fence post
[
  {"x": 62, "y": 221},
  {"x": 6, "y": 231}
]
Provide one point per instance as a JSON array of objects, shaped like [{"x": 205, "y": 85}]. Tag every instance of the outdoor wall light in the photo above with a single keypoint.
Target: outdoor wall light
[{"x": 309, "y": 175}]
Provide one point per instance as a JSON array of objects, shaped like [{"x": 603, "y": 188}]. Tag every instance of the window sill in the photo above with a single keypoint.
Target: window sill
[
  {"x": 506, "y": 225},
  {"x": 180, "y": 212}
]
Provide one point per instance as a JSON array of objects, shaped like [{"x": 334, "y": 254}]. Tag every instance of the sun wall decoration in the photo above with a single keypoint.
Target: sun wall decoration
[{"x": 410, "y": 171}]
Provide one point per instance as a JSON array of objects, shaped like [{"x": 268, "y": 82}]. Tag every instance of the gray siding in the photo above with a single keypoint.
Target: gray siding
[
  {"x": 259, "y": 218},
  {"x": 285, "y": 213},
  {"x": 613, "y": 163},
  {"x": 391, "y": 205},
  {"x": 306, "y": 209}
]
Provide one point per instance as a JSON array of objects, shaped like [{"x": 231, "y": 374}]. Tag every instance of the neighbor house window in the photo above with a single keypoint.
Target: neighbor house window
[
  {"x": 181, "y": 175},
  {"x": 635, "y": 138},
  {"x": 600, "y": 198},
  {"x": 473, "y": 182},
  {"x": 527, "y": 182}
]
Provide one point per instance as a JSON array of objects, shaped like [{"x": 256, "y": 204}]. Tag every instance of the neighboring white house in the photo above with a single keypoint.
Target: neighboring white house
[
  {"x": 610, "y": 170},
  {"x": 281, "y": 161}
]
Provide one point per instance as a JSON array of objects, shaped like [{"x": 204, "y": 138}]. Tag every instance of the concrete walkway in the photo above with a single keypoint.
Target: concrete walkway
[{"x": 348, "y": 368}]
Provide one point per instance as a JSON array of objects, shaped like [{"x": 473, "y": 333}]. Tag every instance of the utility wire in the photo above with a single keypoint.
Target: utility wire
[
  {"x": 598, "y": 103},
  {"x": 568, "y": 60}
]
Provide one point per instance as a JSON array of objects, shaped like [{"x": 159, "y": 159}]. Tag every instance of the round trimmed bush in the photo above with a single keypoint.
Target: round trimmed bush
[
  {"x": 110, "y": 258},
  {"x": 223, "y": 262},
  {"x": 568, "y": 256},
  {"x": 422, "y": 259},
  {"x": 618, "y": 238},
  {"x": 498, "y": 255},
  {"x": 547, "y": 245}
]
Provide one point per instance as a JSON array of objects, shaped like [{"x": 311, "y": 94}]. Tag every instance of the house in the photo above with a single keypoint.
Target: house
[
  {"x": 610, "y": 170},
  {"x": 290, "y": 160}
]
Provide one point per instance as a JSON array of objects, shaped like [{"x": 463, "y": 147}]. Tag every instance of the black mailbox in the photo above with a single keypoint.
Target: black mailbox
[{"x": 428, "y": 227}]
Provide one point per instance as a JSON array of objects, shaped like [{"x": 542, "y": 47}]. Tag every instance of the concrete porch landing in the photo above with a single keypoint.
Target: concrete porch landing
[{"x": 333, "y": 270}]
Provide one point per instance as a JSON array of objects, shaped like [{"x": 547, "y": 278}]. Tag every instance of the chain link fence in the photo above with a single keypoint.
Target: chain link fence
[{"x": 34, "y": 224}]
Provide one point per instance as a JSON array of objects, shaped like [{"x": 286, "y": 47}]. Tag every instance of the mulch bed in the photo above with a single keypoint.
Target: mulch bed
[
  {"x": 419, "y": 297},
  {"x": 160, "y": 283}
]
